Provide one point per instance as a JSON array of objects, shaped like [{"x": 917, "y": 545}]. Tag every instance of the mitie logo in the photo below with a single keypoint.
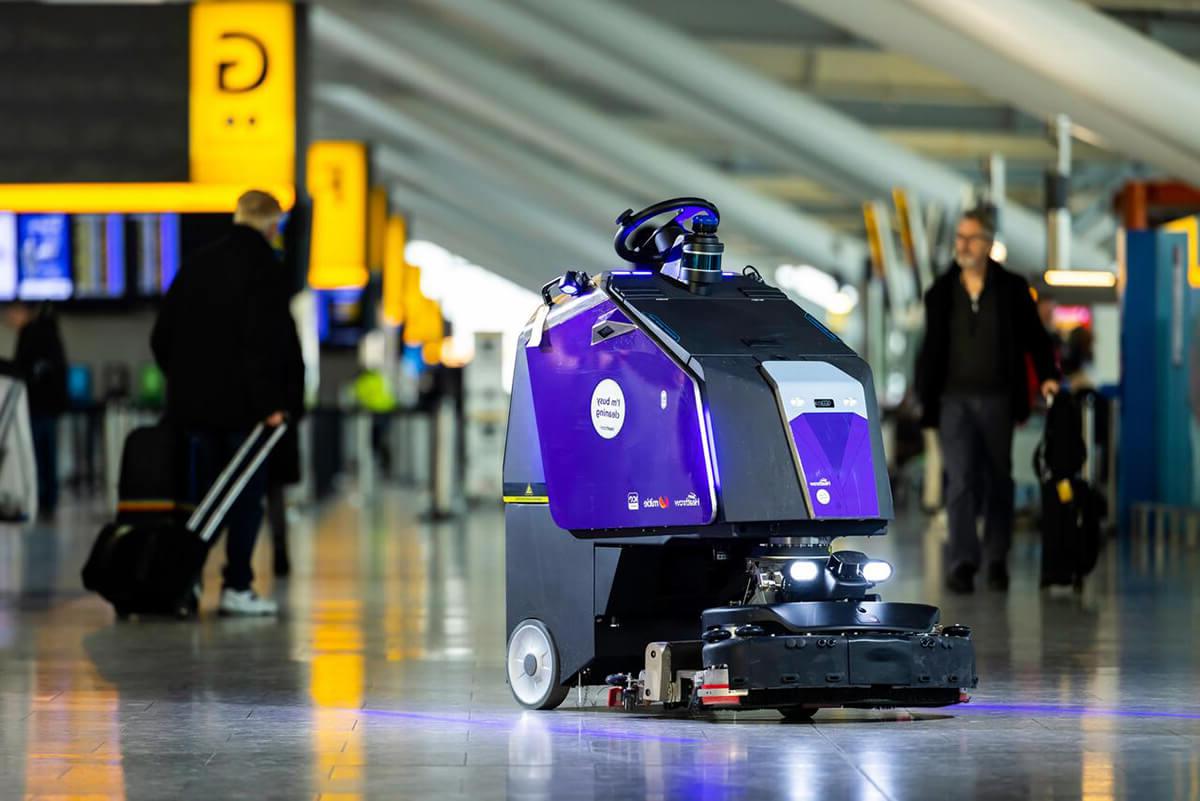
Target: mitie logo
[{"x": 259, "y": 57}]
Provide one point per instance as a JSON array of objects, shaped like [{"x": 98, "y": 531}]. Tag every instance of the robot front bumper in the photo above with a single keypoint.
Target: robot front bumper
[{"x": 816, "y": 654}]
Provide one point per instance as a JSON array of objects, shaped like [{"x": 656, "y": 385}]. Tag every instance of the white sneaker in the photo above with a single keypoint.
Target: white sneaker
[{"x": 246, "y": 603}]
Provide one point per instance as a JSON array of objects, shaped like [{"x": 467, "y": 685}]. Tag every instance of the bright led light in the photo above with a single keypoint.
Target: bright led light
[
  {"x": 877, "y": 571},
  {"x": 804, "y": 570},
  {"x": 1102, "y": 279},
  {"x": 999, "y": 251}
]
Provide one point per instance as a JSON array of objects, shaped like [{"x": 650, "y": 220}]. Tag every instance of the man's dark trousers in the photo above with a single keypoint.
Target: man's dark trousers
[
  {"x": 209, "y": 452},
  {"x": 976, "y": 433}
]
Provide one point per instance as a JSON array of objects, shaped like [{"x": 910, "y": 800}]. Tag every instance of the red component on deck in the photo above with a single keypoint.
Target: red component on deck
[
  {"x": 963, "y": 698},
  {"x": 614, "y": 696},
  {"x": 719, "y": 700}
]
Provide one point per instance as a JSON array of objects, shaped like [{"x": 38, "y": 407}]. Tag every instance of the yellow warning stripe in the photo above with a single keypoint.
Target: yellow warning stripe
[{"x": 526, "y": 499}]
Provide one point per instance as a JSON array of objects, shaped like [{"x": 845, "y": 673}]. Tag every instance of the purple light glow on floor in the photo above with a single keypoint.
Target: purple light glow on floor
[
  {"x": 1081, "y": 711},
  {"x": 508, "y": 724}
]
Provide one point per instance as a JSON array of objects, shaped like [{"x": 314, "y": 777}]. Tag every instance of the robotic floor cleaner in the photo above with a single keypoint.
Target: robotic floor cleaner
[{"x": 684, "y": 444}]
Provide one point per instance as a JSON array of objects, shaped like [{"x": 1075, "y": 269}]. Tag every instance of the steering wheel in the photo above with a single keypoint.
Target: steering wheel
[{"x": 654, "y": 245}]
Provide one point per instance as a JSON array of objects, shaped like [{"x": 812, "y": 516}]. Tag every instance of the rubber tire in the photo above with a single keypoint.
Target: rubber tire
[
  {"x": 557, "y": 692},
  {"x": 797, "y": 714}
]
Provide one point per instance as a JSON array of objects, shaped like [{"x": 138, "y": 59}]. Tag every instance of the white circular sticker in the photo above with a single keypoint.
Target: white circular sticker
[
  {"x": 823, "y": 496},
  {"x": 608, "y": 408}
]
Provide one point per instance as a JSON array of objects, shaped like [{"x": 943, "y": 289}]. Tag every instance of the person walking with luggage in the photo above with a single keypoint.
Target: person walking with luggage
[
  {"x": 41, "y": 362},
  {"x": 227, "y": 344},
  {"x": 980, "y": 324}
]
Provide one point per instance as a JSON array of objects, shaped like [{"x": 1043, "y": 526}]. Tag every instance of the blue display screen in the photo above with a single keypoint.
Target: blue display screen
[
  {"x": 43, "y": 257},
  {"x": 168, "y": 241},
  {"x": 339, "y": 316}
]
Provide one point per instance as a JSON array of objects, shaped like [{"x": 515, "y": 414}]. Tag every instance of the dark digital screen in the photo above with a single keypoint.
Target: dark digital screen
[{"x": 93, "y": 93}]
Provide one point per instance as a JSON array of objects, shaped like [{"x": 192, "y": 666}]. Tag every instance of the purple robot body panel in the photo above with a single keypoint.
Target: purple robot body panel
[
  {"x": 825, "y": 413},
  {"x": 619, "y": 424}
]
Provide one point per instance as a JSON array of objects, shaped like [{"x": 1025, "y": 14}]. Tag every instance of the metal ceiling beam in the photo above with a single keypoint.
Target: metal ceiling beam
[
  {"x": 461, "y": 231},
  {"x": 796, "y": 120},
  {"x": 1088, "y": 54},
  {"x": 503, "y": 160},
  {"x": 414, "y": 54},
  {"x": 928, "y": 34},
  {"x": 494, "y": 202},
  {"x": 595, "y": 66},
  {"x": 365, "y": 47}
]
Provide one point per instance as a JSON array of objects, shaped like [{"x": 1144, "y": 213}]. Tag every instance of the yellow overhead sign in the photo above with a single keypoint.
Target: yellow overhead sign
[
  {"x": 337, "y": 183},
  {"x": 874, "y": 237},
  {"x": 243, "y": 93},
  {"x": 377, "y": 220},
  {"x": 132, "y": 198},
  {"x": 394, "y": 271}
]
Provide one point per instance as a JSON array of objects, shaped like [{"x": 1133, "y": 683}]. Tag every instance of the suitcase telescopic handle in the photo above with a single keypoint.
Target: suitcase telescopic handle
[
  {"x": 233, "y": 479},
  {"x": 218, "y": 487}
]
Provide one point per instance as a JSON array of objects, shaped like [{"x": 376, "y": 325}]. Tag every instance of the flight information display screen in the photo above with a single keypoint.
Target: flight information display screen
[
  {"x": 43, "y": 257},
  {"x": 98, "y": 244}
]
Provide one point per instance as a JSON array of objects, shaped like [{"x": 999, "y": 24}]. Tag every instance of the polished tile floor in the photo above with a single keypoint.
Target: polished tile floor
[{"x": 384, "y": 680}]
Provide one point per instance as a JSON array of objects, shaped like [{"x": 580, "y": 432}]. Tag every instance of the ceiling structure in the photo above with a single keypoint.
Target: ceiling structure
[{"x": 513, "y": 121}]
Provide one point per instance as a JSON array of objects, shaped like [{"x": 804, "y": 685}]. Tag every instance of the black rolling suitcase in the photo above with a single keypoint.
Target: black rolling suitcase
[
  {"x": 1071, "y": 508},
  {"x": 151, "y": 566},
  {"x": 151, "y": 482}
]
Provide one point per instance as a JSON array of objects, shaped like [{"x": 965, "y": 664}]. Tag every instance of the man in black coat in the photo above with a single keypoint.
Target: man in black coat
[
  {"x": 981, "y": 323},
  {"x": 227, "y": 345}
]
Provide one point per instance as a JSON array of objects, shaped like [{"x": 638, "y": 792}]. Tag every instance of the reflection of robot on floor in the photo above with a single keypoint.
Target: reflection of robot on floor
[{"x": 683, "y": 446}]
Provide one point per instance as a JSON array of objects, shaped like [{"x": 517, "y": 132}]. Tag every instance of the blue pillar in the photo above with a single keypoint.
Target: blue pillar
[{"x": 1137, "y": 471}]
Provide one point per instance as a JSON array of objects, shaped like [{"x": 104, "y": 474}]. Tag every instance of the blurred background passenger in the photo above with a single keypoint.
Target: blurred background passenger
[
  {"x": 41, "y": 362},
  {"x": 981, "y": 323},
  {"x": 1077, "y": 359}
]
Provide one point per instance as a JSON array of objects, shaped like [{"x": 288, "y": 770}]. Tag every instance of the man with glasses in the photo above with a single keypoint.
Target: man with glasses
[{"x": 980, "y": 324}]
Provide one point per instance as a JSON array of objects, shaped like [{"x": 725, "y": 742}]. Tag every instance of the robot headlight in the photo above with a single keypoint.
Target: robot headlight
[
  {"x": 804, "y": 570},
  {"x": 876, "y": 571},
  {"x": 573, "y": 283}
]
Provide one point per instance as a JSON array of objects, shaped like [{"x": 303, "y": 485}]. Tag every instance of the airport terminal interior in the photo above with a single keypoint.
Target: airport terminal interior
[{"x": 580, "y": 399}]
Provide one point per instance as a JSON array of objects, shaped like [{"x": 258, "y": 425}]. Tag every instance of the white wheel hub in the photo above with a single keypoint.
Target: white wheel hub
[{"x": 531, "y": 667}]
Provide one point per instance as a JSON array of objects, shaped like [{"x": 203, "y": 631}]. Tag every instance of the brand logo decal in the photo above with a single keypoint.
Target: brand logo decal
[
  {"x": 690, "y": 500},
  {"x": 632, "y": 501},
  {"x": 824, "y": 482},
  {"x": 823, "y": 496}
]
